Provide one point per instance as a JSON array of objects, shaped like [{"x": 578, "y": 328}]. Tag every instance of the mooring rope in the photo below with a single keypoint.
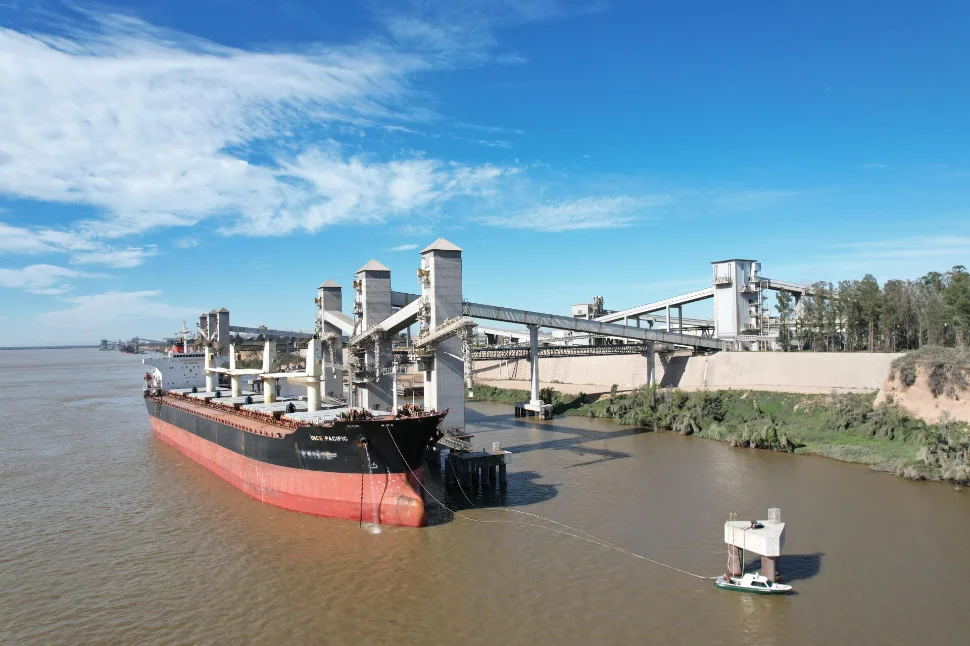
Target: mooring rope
[
  {"x": 592, "y": 538},
  {"x": 360, "y": 523},
  {"x": 575, "y": 533}
]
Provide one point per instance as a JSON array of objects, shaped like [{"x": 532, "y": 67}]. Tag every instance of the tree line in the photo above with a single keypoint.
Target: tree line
[{"x": 855, "y": 315}]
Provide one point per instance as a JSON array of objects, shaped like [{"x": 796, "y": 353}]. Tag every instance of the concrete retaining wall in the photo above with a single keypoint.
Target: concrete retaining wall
[{"x": 807, "y": 372}]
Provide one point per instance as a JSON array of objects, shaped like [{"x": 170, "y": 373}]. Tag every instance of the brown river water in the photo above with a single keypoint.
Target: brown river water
[{"x": 108, "y": 536}]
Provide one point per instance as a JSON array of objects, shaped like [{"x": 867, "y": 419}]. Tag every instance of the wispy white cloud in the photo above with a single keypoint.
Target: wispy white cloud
[
  {"x": 118, "y": 258},
  {"x": 141, "y": 122},
  {"x": 875, "y": 166},
  {"x": 154, "y": 129},
  {"x": 500, "y": 130},
  {"x": 100, "y": 314},
  {"x": 581, "y": 213},
  {"x": 41, "y": 279},
  {"x": 494, "y": 143},
  {"x": 465, "y": 30},
  {"x": 404, "y": 247},
  {"x": 36, "y": 240},
  {"x": 82, "y": 245},
  {"x": 396, "y": 128},
  {"x": 186, "y": 243},
  {"x": 338, "y": 190}
]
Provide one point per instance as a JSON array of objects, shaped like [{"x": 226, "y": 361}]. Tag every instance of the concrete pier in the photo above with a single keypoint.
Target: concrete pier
[
  {"x": 763, "y": 537},
  {"x": 528, "y": 409},
  {"x": 535, "y": 407},
  {"x": 769, "y": 567},
  {"x": 735, "y": 561},
  {"x": 534, "y": 360}
]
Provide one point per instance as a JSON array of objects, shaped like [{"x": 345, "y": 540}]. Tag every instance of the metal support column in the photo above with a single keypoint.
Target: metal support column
[
  {"x": 534, "y": 358},
  {"x": 269, "y": 390},
  {"x": 211, "y": 378},
  {"x": 394, "y": 388},
  {"x": 651, "y": 365}
]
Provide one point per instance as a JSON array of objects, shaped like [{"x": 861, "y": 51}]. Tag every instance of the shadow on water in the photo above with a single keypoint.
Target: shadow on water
[
  {"x": 793, "y": 567},
  {"x": 579, "y": 437},
  {"x": 523, "y": 489},
  {"x": 576, "y": 441}
]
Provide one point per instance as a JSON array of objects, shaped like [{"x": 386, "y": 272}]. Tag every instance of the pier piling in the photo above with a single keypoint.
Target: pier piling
[{"x": 735, "y": 561}]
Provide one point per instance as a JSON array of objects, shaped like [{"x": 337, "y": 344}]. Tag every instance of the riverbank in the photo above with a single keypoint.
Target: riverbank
[{"x": 848, "y": 426}]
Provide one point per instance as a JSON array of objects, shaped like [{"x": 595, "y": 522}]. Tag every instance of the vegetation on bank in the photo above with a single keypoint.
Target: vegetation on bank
[{"x": 845, "y": 427}]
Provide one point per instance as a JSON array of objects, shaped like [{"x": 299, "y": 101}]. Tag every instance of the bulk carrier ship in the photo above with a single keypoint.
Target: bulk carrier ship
[{"x": 315, "y": 457}]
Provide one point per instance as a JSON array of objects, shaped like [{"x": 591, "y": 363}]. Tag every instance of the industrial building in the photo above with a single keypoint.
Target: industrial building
[
  {"x": 742, "y": 316},
  {"x": 357, "y": 358}
]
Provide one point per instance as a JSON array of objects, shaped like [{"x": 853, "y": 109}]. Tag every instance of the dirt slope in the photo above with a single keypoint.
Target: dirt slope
[{"x": 919, "y": 401}]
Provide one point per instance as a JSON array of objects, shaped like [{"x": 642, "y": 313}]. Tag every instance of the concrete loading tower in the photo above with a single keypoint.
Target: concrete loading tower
[
  {"x": 739, "y": 301},
  {"x": 373, "y": 304},
  {"x": 330, "y": 299},
  {"x": 211, "y": 325},
  {"x": 440, "y": 277}
]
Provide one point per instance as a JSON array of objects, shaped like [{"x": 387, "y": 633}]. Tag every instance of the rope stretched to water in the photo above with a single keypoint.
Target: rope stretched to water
[
  {"x": 591, "y": 538},
  {"x": 575, "y": 533}
]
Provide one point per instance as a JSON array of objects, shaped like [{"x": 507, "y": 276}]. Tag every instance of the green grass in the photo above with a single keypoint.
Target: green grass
[
  {"x": 504, "y": 395},
  {"x": 844, "y": 427}
]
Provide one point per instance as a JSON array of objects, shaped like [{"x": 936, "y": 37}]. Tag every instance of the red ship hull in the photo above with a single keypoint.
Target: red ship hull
[{"x": 385, "y": 498}]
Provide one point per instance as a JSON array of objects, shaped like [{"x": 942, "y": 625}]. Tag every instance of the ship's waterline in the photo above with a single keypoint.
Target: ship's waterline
[{"x": 112, "y": 536}]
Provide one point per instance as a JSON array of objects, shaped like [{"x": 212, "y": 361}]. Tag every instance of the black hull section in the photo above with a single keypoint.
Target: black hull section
[{"x": 341, "y": 448}]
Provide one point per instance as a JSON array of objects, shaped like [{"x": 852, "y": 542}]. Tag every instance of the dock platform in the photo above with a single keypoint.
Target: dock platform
[{"x": 472, "y": 466}]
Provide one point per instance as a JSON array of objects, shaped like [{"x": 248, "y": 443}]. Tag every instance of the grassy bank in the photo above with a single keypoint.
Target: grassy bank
[{"x": 845, "y": 427}]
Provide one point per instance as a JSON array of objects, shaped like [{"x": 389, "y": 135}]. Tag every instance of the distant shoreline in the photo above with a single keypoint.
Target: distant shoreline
[{"x": 49, "y": 347}]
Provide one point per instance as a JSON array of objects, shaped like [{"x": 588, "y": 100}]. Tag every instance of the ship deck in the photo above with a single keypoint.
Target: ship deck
[{"x": 290, "y": 410}]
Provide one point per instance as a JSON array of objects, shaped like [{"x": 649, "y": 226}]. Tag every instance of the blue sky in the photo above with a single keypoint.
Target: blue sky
[{"x": 160, "y": 159}]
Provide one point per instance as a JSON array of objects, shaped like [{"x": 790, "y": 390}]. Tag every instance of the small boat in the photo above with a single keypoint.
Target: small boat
[{"x": 751, "y": 583}]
